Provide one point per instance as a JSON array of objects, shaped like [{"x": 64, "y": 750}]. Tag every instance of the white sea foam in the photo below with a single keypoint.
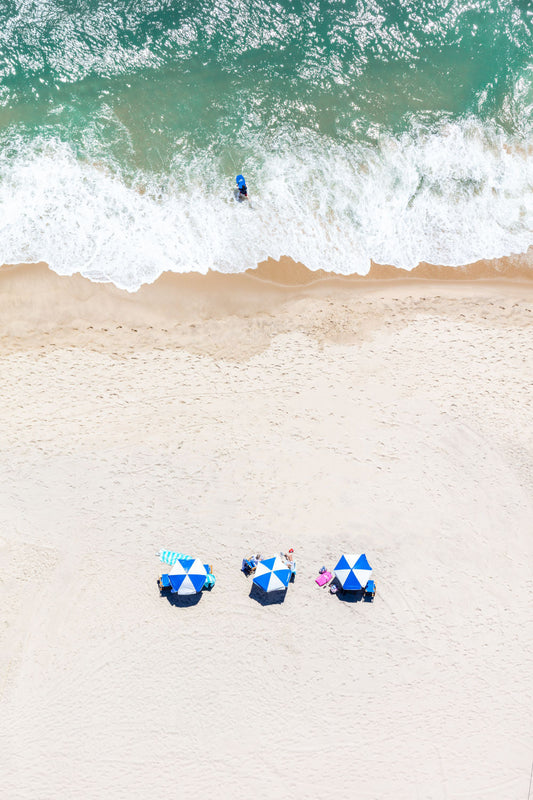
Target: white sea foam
[{"x": 447, "y": 197}]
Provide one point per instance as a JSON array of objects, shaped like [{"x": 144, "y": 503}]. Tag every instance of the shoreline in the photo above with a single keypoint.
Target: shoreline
[
  {"x": 287, "y": 272},
  {"x": 235, "y": 315}
]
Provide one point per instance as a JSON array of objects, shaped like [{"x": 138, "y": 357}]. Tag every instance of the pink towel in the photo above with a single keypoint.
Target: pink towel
[{"x": 324, "y": 578}]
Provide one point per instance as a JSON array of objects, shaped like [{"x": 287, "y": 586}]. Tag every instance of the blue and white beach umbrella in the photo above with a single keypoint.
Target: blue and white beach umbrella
[
  {"x": 187, "y": 576},
  {"x": 272, "y": 574},
  {"x": 353, "y": 572}
]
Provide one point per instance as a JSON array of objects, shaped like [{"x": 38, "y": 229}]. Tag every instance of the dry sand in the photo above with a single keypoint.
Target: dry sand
[{"x": 225, "y": 414}]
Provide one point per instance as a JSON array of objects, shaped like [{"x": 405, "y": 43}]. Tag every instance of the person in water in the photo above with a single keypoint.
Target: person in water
[{"x": 242, "y": 190}]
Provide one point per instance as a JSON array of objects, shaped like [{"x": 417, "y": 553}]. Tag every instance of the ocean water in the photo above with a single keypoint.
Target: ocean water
[{"x": 394, "y": 130}]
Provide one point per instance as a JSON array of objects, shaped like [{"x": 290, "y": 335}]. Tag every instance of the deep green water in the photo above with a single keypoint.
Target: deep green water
[{"x": 396, "y": 131}]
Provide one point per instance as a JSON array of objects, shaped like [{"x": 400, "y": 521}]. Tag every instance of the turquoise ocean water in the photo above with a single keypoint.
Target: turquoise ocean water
[{"x": 393, "y": 130}]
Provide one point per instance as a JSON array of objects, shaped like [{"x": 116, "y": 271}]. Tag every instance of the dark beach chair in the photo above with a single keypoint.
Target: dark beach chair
[
  {"x": 370, "y": 591},
  {"x": 163, "y": 582},
  {"x": 247, "y": 566}
]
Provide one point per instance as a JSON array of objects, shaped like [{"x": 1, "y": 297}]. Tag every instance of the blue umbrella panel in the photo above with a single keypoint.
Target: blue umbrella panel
[
  {"x": 272, "y": 574},
  {"x": 187, "y": 576},
  {"x": 353, "y": 572}
]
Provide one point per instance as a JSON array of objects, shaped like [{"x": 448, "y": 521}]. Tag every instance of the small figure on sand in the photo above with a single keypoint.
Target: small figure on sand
[
  {"x": 241, "y": 192},
  {"x": 290, "y": 561},
  {"x": 289, "y": 557}
]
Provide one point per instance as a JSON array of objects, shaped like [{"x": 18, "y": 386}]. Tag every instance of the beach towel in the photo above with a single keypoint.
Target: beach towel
[
  {"x": 170, "y": 557},
  {"x": 324, "y": 578}
]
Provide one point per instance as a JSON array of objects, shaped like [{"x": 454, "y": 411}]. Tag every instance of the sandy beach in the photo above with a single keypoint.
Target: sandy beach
[{"x": 225, "y": 414}]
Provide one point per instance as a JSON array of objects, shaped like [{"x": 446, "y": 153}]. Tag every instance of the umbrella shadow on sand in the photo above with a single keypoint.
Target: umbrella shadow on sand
[
  {"x": 348, "y": 596},
  {"x": 183, "y": 600},
  {"x": 267, "y": 598}
]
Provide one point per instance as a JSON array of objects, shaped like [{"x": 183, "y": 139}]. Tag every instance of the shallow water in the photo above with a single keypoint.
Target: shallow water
[{"x": 394, "y": 130}]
